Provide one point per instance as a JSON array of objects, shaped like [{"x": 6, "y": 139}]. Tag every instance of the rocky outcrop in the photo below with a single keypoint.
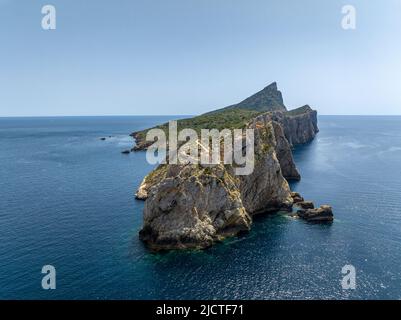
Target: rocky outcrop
[
  {"x": 266, "y": 190},
  {"x": 140, "y": 141},
  {"x": 306, "y": 204},
  {"x": 152, "y": 179},
  {"x": 193, "y": 206},
  {"x": 299, "y": 125},
  {"x": 284, "y": 154},
  {"x": 296, "y": 197},
  {"x": 322, "y": 214},
  {"x": 282, "y": 146},
  {"x": 143, "y": 191}
]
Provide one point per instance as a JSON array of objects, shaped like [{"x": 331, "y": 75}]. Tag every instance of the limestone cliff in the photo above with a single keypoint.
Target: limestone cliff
[
  {"x": 284, "y": 154},
  {"x": 192, "y": 206},
  {"x": 291, "y": 128},
  {"x": 300, "y": 125}
]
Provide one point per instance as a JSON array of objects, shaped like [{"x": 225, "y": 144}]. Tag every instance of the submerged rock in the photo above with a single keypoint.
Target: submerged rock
[
  {"x": 322, "y": 214},
  {"x": 126, "y": 152}
]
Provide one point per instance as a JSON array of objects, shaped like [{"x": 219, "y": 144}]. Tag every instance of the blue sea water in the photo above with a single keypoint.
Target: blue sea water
[{"x": 66, "y": 199}]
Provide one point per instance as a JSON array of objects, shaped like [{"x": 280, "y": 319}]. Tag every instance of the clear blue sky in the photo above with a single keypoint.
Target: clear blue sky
[{"x": 128, "y": 57}]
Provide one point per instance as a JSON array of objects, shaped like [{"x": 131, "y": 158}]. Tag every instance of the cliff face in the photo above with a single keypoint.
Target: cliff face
[
  {"x": 192, "y": 206},
  {"x": 290, "y": 128},
  {"x": 295, "y": 127},
  {"x": 284, "y": 154},
  {"x": 266, "y": 189},
  {"x": 299, "y": 125}
]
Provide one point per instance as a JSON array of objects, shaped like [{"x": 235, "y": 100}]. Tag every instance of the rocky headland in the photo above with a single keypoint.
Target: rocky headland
[{"x": 193, "y": 206}]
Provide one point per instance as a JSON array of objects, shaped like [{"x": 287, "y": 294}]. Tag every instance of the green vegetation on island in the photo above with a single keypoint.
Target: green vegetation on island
[{"x": 236, "y": 116}]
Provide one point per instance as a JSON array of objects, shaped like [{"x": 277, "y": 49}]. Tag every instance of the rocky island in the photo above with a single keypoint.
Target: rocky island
[{"x": 193, "y": 206}]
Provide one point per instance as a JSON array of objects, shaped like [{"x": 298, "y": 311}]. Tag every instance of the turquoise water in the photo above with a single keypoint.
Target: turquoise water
[{"x": 66, "y": 199}]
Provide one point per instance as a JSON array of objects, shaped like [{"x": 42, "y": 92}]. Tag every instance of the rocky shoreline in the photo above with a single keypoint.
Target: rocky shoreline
[
  {"x": 307, "y": 211},
  {"x": 194, "y": 206}
]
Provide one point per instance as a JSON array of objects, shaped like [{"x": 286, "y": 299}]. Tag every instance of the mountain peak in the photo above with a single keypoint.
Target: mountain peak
[
  {"x": 271, "y": 86},
  {"x": 268, "y": 99}
]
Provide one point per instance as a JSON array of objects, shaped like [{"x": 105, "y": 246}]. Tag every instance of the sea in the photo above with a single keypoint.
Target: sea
[{"x": 67, "y": 200}]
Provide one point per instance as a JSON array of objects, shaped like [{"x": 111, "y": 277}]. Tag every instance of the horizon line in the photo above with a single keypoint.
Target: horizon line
[{"x": 175, "y": 115}]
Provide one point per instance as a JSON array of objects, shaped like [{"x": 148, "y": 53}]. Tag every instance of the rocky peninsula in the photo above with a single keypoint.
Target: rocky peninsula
[{"x": 193, "y": 206}]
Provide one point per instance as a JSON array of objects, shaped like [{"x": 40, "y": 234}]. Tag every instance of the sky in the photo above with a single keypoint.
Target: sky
[{"x": 187, "y": 57}]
